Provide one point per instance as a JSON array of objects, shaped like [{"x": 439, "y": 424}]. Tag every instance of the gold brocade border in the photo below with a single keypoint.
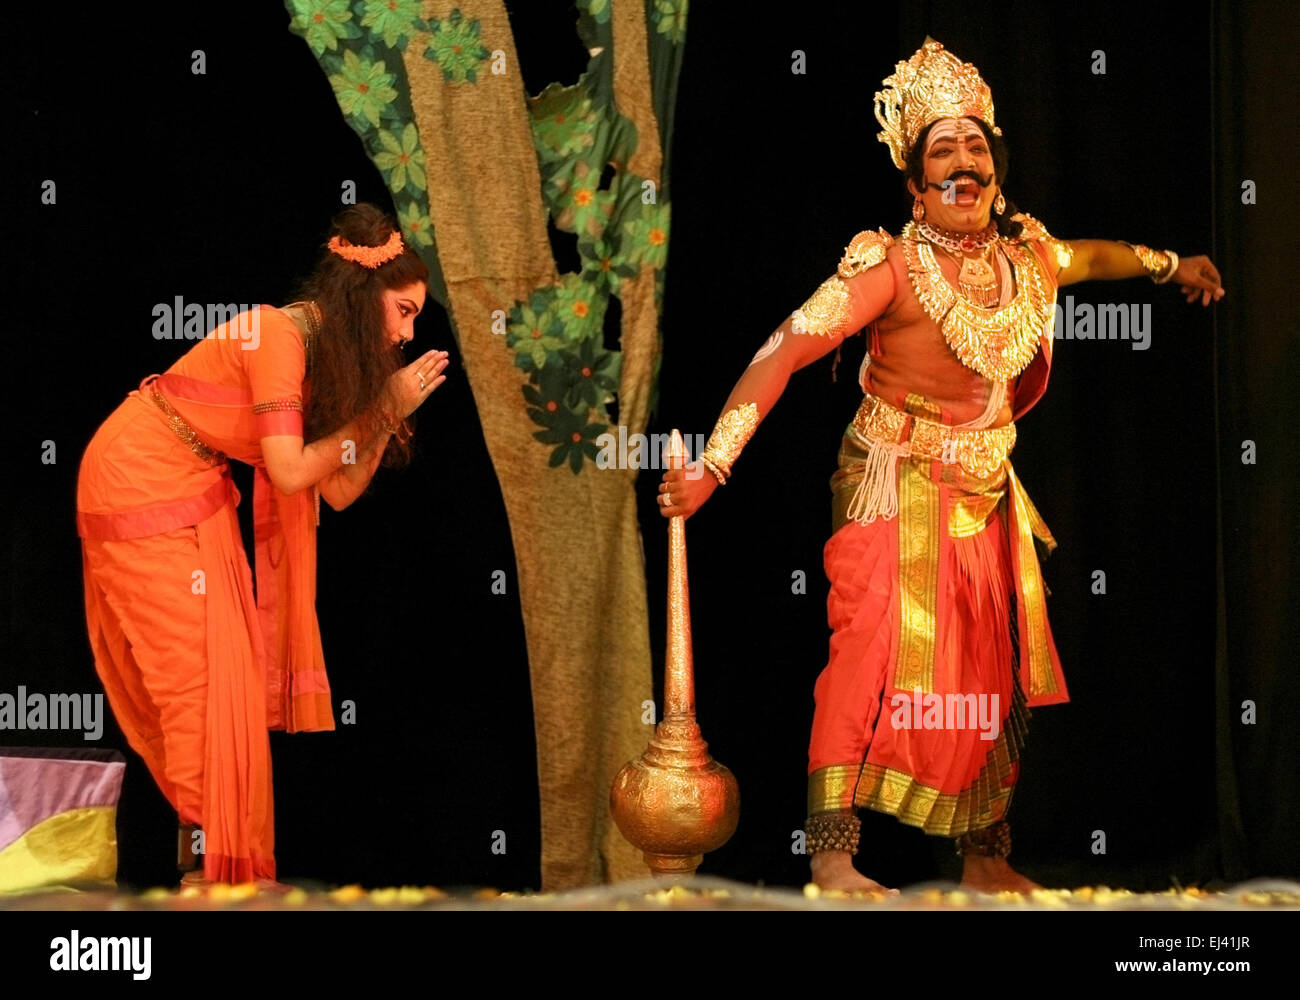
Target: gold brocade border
[
  {"x": 969, "y": 515},
  {"x": 984, "y": 801},
  {"x": 830, "y": 789},
  {"x": 1033, "y": 603},
  {"x": 918, "y": 577}
]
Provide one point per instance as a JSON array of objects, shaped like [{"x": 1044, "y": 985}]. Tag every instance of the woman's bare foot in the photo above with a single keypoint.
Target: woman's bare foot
[
  {"x": 834, "y": 871},
  {"x": 194, "y": 880},
  {"x": 985, "y": 874}
]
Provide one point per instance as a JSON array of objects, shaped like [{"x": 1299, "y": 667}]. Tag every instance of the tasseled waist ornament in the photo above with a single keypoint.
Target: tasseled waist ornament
[
  {"x": 888, "y": 433},
  {"x": 973, "y": 467}
]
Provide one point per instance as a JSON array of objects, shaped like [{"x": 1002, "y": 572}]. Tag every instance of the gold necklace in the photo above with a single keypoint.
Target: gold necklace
[
  {"x": 997, "y": 343},
  {"x": 955, "y": 241},
  {"x": 976, "y": 278}
]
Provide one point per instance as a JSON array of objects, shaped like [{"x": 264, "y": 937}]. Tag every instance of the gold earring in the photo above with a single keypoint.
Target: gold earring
[
  {"x": 999, "y": 204},
  {"x": 918, "y": 209}
]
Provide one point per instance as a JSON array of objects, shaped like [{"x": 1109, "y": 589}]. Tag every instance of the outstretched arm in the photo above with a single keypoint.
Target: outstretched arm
[
  {"x": 839, "y": 308},
  {"x": 1108, "y": 260}
]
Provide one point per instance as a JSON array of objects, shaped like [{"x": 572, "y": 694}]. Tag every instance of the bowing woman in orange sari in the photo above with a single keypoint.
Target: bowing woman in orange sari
[{"x": 314, "y": 396}]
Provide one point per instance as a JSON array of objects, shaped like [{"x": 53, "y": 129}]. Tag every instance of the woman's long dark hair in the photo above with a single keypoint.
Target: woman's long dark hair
[
  {"x": 351, "y": 358},
  {"x": 914, "y": 171}
]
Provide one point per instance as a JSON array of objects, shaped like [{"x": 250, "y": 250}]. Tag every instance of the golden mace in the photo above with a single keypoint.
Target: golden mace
[{"x": 675, "y": 802}]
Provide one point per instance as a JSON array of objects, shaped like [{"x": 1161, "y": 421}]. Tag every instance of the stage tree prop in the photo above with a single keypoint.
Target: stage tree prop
[{"x": 476, "y": 168}]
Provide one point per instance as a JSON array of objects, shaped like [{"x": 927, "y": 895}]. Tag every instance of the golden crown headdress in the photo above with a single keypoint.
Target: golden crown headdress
[{"x": 933, "y": 84}]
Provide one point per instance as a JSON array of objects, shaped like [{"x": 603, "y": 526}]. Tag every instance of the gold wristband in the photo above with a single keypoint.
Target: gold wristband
[
  {"x": 730, "y": 435},
  {"x": 1159, "y": 265},
  {"x": 717, "y": 473}
]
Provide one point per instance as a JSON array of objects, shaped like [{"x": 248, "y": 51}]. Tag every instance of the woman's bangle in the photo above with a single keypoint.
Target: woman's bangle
[{"x": 401, "y": 431}]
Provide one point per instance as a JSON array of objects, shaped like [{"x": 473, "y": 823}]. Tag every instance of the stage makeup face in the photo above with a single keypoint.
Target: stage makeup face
[
  {"x": 401, "y": 306},
  {"x": 956, "y": 151}
]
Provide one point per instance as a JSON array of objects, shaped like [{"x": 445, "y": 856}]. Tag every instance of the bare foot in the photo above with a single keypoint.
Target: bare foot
[
  {"x": 985, "y": 874},
  {"x": 834, "y": 871},
  {"x": 194, "y": 880}
]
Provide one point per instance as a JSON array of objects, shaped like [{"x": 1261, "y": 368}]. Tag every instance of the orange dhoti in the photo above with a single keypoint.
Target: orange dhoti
[
  {"x": 173, "y": 625},
  {"x": 922, "y": 709}
]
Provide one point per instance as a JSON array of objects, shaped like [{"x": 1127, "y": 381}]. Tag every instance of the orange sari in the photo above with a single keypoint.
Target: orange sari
[{"x": 196, "y": 667}]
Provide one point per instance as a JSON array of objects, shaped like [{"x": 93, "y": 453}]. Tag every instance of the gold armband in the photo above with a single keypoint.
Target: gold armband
[
  {"x": 826, "y": 312},
  {"x": 864, "y": 251},
  {"x": 1159, "y": 265},
  {"x": 730, "y": 435},
  {"x": 1033, "y": 230}
]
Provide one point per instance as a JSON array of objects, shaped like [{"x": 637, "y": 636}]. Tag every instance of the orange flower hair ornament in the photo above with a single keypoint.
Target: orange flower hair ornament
[{"x": 370, "y": 257}]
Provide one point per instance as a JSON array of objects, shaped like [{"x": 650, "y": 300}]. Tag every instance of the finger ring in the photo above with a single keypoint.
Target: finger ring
[{"x": 421, "y": 374}]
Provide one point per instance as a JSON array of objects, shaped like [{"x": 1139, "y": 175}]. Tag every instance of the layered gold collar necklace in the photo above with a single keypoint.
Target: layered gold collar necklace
[{"x": 997, "y": 342}]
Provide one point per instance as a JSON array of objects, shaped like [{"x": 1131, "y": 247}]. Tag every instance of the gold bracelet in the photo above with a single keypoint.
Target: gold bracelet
[
  {"x": 731, "y": 433},
  {"x": 386, "y": 423},
  {"x": 1159, "y": 265},
  {"x": 717, "y": 473}
]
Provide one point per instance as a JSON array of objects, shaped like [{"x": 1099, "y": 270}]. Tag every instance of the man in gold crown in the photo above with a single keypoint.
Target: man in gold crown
[{"x": 940, "y": 634}]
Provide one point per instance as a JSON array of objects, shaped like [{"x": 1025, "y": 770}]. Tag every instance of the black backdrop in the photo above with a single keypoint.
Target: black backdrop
[{"x": 218, "y": 188}]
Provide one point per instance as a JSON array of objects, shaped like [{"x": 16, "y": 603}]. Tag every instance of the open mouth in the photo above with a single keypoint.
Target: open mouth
[{"x": 965, "y": 192}]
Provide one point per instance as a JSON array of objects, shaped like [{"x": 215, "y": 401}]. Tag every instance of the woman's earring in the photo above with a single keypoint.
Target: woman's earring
[
  {"x": 999, "y": 204},
  {"x": 918, "y": 209}
]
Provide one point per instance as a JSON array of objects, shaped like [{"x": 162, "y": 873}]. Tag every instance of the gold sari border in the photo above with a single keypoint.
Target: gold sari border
[
  {"x": 919, "y": 523},
  {"x": 830, "y": 789},
  {"x": 1038, "y": 672},
  {"x": 983, "y": 802}
]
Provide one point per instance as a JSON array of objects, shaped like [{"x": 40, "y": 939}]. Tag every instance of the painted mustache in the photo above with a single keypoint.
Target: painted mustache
[{"x": 960, "y": 175}]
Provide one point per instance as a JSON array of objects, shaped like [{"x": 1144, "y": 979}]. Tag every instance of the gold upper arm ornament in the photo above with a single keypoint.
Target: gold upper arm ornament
[
  {"x": 1032, "y": 231},
  {"x": 864, "y": 251},
  {"x": 828, "y": 311}
]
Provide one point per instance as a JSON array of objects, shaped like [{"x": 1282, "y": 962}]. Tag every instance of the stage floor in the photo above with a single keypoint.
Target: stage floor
[{"x": 699, "y": 893}]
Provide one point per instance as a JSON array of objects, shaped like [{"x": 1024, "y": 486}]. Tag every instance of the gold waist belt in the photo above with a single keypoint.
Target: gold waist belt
[
  {"x": 887, "y": 434},
  {"x": 980, "y": 453},
  {"x": 184, "y": 431}
]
